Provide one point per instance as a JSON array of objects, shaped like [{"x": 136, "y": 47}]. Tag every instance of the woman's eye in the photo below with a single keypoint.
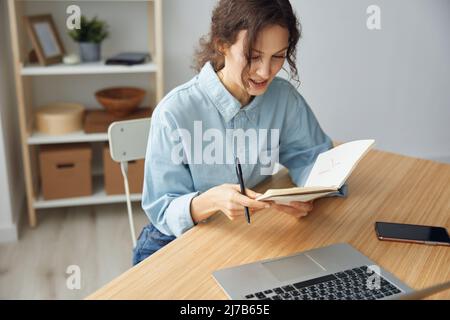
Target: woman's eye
[{"x": 274, "y": 57}]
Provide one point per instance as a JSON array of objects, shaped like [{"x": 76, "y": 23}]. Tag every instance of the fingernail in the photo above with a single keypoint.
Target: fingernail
[{"x": 267, "y": 206}]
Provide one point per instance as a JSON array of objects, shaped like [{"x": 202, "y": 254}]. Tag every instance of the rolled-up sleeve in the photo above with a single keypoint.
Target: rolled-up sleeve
[
  {"x": 168, "y": 187},
  {"x": 302, "y": 140}
]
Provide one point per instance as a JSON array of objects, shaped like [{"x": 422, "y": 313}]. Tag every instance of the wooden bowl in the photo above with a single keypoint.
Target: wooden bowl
[{"x": 120, "y": 101}]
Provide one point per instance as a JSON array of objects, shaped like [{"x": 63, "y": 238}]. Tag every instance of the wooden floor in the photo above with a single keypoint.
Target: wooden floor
[{"x": 95, "y": 238}]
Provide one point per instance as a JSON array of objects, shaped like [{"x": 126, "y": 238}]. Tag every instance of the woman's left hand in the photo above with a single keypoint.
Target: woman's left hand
[{"x": 296, "y": 209}]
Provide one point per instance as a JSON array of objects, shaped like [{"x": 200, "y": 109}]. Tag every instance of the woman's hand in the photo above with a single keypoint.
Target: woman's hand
[
  {"x": 296, "y": 209},
  {"x": 226, "y": 198}
]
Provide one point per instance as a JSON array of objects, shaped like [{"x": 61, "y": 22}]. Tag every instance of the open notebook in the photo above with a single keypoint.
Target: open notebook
[{"x": 329, "y": 173}]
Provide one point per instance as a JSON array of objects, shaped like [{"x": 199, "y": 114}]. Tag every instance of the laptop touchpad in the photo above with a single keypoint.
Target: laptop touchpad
[{"x": 292, "y": 267}]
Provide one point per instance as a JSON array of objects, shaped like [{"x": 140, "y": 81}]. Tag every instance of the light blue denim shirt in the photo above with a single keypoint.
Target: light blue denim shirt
[{"x": 193, "y": 139}]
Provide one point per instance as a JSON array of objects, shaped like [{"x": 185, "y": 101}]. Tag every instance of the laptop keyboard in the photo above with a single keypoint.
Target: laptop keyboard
[{"x": 350, "y": 284}]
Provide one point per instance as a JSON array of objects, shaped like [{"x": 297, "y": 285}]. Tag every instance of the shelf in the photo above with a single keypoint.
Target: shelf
[
  {"x": 86, "y": 68},
  {"x": 80, "y": 136},
  {"x": 98, "y": 197}
]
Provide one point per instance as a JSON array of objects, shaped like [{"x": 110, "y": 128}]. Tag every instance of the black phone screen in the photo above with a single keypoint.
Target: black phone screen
[{"x": 411, "y": 232}]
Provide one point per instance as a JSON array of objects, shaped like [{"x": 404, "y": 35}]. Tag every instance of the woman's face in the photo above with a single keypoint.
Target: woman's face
[{"x": 268, "y": 56}]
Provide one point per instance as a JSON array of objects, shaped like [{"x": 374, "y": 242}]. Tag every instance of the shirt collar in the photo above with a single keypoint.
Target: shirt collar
[{"x": 223, "y": 100}]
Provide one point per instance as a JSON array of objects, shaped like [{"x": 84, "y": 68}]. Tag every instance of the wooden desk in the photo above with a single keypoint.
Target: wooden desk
[{"x": 384, "y": 187}]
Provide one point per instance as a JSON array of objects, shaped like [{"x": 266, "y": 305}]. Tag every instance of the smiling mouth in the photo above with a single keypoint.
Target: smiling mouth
[{"x": 258, "y": 84}]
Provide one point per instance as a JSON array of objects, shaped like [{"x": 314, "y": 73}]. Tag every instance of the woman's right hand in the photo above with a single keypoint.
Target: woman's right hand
[{"x": 226, "y": 198}]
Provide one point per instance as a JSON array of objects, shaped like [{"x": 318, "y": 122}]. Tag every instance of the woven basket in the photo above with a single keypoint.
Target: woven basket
[{"x": 59, "y": 118}]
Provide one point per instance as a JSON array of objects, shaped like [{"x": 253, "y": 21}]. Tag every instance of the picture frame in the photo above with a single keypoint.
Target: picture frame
[{"x": 45, "y": 38}]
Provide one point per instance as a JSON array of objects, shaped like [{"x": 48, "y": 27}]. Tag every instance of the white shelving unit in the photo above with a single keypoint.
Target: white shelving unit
[
  {"x": 86, "y": 68},
  {"x": 31, "y": 140},
  {"x": 37, "y": 138}
]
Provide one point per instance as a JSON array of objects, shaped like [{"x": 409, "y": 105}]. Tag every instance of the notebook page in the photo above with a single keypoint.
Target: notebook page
[{"x": 333, "y": 167}]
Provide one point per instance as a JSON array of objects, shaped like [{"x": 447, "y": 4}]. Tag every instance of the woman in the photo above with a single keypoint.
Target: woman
[{"x": 194, "y": 131}]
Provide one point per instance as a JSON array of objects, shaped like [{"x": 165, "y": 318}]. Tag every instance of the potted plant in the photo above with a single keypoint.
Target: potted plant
[{"x": 90, "y": 36}]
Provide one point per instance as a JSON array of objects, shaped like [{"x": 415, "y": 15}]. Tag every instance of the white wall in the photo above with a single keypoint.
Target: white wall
[
  {"x": 12, "y": 196},
  {"x": 392, "y": 85}
]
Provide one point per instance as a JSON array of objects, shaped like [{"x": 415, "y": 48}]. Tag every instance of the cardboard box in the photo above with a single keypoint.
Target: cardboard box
[
  {"x": 113, "y": 174},
  {"x": 65, "y": 170}
]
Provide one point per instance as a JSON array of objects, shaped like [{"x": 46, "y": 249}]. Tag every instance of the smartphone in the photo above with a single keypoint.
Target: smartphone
[{"x": 412, "y": 233}]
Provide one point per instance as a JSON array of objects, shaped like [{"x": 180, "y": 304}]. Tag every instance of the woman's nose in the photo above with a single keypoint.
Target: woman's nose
[{"x": 264, "y": 70}]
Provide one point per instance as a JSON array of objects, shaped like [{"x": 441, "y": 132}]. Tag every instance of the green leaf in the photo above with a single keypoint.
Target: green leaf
[{"x": 93, "y": 30}]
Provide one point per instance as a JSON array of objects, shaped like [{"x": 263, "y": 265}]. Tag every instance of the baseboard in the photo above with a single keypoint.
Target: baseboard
[
  {"x": 8, "y": 233},
  {"x": 22, "y": 214}
]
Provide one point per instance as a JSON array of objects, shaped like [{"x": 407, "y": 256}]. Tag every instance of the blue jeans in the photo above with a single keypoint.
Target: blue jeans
[{"x": 150, "y": 241}]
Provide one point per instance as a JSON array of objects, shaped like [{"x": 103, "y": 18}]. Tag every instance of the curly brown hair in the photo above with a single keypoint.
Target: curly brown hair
[{"x": 231, "y": 16}]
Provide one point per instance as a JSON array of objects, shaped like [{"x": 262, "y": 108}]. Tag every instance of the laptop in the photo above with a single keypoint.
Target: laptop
[{"x": 336, "y": 272}]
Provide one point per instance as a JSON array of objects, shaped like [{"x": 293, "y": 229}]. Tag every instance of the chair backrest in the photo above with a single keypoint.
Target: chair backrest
[{"x": 128, "y": 139}]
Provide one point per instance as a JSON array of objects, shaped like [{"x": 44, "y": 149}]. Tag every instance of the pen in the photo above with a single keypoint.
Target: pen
[{"x": 241, "y": 182}]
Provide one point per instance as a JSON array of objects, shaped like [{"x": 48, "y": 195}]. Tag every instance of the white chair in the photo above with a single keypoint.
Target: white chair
[{"x": 128, "y": 142}]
